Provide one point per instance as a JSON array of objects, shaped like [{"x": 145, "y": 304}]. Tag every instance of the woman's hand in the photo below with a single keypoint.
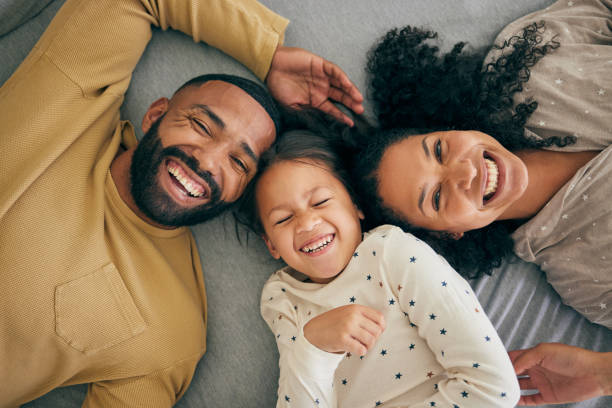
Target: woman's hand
[
  {"x": 562, "y": 373},
  {"x": 351, "y": 328},
  {"x": 300, "y": 78}
]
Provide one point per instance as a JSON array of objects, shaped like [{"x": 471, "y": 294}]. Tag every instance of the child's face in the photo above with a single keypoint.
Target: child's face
[{"x": 309, "y": 218}]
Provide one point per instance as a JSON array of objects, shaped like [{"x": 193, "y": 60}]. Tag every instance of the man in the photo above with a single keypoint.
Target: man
[{"x": 101, "y": 281}]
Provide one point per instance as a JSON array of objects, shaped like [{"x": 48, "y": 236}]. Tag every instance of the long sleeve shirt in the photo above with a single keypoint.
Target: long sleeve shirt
[
  {"x": 91, "y": 293},
  {"x": 439, "y": 349}
]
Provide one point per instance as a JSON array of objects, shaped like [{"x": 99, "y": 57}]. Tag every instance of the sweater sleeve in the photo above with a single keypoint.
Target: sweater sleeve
[
  {"x": 477, "y": 369},
  {"x": 97, "y": 44},
  {"x": 306, "y": 372},
  {"x": 161, "y": 389}
]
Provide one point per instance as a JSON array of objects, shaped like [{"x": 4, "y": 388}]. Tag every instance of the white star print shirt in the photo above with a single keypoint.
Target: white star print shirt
[
  {"x": 439, "y": 348},
  {"x": 571, "y": 237}
]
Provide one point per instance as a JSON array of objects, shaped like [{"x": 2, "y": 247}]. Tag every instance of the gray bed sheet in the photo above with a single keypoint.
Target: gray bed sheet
[{"x": 240, "y": 367}]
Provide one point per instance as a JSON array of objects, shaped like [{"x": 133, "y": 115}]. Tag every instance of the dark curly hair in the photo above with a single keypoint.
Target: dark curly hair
[{"x": 416, "y": 90}]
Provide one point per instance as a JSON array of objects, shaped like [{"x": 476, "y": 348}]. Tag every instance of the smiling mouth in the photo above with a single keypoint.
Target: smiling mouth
[
  {"x": 492, "y": 178},
  {"x": 318, "y": 245},
  {"x": 190, "y": 186}
]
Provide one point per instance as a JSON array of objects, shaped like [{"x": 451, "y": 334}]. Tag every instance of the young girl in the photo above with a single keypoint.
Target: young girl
[{"x": 368, "y": 320}]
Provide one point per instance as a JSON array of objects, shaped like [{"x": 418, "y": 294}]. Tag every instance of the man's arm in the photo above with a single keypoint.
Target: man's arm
[{"x": 161, "y": 389}]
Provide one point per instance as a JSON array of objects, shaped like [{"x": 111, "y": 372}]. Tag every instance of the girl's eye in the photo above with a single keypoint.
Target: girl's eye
[
  {"x": 436, "y": 199},
  {"x": 282, "y": 220},
  {"x": 438, "y": 150},
  {"x": 319, "y": 203}
]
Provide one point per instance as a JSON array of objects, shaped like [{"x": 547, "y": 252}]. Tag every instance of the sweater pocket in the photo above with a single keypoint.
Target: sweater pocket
[{"x": 96, "y": 311}]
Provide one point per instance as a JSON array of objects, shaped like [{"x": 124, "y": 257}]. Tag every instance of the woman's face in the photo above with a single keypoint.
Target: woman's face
[{"x": 452, "y": 181}]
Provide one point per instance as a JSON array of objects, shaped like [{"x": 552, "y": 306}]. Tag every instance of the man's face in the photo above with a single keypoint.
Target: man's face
[{"x": 200, "y": 150}]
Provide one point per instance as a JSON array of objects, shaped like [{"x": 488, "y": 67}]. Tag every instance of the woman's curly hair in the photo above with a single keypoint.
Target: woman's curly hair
[{"x": 415, "y": 90}]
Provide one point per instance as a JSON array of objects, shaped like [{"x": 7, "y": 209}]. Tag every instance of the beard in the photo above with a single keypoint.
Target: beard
[{"x": 151, "y": 198}]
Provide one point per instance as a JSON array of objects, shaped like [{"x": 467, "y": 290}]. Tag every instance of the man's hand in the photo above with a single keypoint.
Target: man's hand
[
  {"x": 299, "y": 78},
  {"x": 351, "y": 328},
  {"x": 562, "y": 373}
]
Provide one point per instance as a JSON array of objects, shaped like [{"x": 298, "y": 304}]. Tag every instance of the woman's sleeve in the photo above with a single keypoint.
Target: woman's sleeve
[
  {"x": 477, "y": 369},
  {"x": 306, "y": 372}
]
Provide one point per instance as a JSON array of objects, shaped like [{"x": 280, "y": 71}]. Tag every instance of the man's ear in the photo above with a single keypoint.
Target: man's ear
[
  {"x": 271, "y": 248},
  {"x": 155, "y": 111}
]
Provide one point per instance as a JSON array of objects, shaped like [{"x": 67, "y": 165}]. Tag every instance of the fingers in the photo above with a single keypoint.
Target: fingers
[
  {"x": 344, "y": 91},
  {"x": 523, "y": 360},
  {"x": 331, "y": 109}
]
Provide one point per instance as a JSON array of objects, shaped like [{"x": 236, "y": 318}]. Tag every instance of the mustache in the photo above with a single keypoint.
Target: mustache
[{"x": 194, "y": 165}]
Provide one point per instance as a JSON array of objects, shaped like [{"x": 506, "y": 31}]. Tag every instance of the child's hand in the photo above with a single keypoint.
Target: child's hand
[{"x": 351, "y": 328}]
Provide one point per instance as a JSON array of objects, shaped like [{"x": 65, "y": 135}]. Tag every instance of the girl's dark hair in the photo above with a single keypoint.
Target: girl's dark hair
[
  {"x": 310, "y": 136},
  {"x": 416, "y": 90}
]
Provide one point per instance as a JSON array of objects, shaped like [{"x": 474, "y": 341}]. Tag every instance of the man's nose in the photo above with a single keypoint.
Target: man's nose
[{"x": 211, "y": 158}]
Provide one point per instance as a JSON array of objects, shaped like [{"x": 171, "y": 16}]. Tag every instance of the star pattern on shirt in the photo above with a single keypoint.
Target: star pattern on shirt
[
  {"x": 384, "y": 356},
  {"x": 356, "y": 254}
]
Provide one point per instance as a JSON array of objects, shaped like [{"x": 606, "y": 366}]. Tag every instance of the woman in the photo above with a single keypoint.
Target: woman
[{"x": 482, "y": 154}]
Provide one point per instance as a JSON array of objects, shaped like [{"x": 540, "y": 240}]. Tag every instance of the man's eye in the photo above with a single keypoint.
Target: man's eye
[
  {"x": 438, "y": 150},
  {"x": 319, "y": 203},
  {"x": 241, "y": 164},
  {"x": 436, "y": 199},
  {"x": 201, "y": 125},
  {"x": 282, "y": 220}
]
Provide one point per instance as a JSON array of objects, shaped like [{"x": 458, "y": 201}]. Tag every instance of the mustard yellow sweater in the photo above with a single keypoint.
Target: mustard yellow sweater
[{"x": 89, "y": 293}]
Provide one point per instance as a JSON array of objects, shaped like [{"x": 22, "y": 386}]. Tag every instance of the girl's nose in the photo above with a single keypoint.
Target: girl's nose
[{"x": 308, "y": 221}]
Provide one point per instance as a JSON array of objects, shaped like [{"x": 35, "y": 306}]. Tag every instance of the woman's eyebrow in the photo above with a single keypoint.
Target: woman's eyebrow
[
  {"x": 425, "y": 148},
  {"x": 425, "y": 187},
  {"x": 422, "y": 197}
]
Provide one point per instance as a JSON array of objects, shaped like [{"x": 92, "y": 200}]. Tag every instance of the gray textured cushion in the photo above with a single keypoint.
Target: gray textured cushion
[
  {"x": 240, "y": 366},
  {"x": 14, "y": 13}
]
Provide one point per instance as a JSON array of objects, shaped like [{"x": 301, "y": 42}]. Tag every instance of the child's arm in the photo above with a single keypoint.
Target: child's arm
[
  {"x": 450, "y": 319},
  {"x": 306, "y": 372},
  {"x": 350, "y": 328}
]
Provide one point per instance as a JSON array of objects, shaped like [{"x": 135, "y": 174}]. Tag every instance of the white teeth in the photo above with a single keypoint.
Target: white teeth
[
  {"x": 492, "y": 176},
  {"x": 318, "y": 245},
  {"x": 194, "y": 189}
]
